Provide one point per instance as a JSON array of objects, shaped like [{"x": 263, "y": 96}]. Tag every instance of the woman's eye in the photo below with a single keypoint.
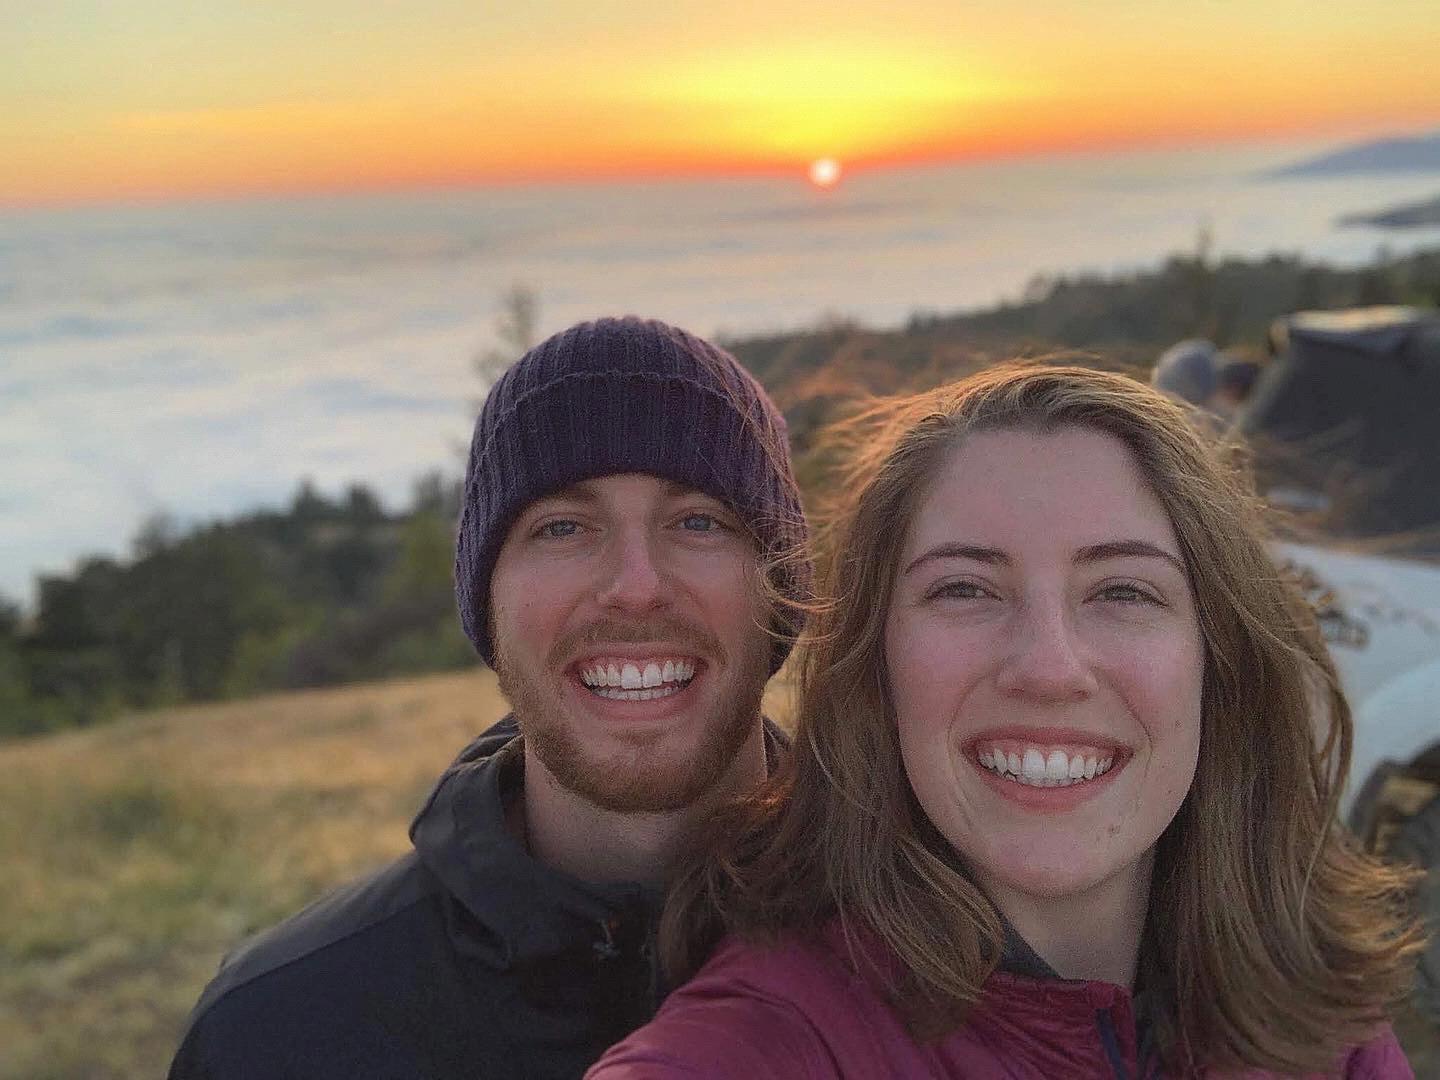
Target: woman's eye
[
  {"x": 1128, "y": 594},
  {"x": 556, "y": 530},
  {"x": 958, "y": 590}
]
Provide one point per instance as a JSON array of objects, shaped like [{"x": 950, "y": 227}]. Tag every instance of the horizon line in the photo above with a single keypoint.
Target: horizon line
[{"x": 719, "y": 173}]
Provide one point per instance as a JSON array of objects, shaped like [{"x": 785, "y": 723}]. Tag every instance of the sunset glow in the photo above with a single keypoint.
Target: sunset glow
[{"x": 147, "y": 103}]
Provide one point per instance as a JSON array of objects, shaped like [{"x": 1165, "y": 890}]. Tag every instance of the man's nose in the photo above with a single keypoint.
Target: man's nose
[
  {"x": 1045, "y": 659},
  {"x": 633, "y": 577}
]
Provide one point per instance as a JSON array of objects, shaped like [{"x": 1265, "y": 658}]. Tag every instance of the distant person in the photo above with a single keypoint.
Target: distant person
[
  {"x": 1216, "y": 382},
  {"x": 628, "y": 562},
  {"x": 1186, "y": 371},
  {"x": 1056, "y": 806},
  {"x": 1235, "y": 379}
]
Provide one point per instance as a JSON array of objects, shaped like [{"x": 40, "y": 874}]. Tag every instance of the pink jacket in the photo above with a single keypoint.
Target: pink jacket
[{"x": 799, "y": 1012}]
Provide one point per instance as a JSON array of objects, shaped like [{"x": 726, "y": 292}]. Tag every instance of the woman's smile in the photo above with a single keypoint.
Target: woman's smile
[{"x": 1037, "y": 767}]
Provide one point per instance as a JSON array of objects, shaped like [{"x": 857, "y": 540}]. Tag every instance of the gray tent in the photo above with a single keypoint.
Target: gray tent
[{"x": 1346, "y": 420}]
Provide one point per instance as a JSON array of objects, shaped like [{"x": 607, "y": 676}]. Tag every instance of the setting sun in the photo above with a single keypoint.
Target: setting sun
[{"x": 825, "y": 172}]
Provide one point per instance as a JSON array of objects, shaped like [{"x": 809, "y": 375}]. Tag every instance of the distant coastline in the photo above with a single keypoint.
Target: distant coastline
[
  {"x": 1417, "y": 215},
  {"x": 1420, "y": 153}
]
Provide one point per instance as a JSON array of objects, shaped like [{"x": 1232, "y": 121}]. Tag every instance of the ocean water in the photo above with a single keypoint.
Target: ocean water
[{"x": 199, "y": 359}]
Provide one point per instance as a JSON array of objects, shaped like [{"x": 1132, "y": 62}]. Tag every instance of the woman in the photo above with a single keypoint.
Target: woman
[{"x": 1056, "y": 806}]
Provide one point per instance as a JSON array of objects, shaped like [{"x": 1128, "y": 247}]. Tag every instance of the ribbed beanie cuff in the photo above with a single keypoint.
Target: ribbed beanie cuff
[{"x": 627, "y": 396}]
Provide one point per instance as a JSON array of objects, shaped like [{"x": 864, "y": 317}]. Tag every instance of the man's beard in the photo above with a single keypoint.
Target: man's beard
[{"x": 644, "y": 780}]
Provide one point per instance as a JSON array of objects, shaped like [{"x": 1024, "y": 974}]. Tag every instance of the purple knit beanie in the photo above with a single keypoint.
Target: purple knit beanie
[{"x": 628, "y": 396}]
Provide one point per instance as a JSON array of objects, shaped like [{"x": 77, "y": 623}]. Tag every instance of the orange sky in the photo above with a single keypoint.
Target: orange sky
[{"x": 154, "y": 99}]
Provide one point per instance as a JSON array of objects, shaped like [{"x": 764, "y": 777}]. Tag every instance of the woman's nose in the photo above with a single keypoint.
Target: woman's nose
[{"x": 1045, "y": 659}]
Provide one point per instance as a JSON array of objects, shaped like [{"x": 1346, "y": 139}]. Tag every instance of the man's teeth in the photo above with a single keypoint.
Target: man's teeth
[
  {"x": 628, "y": 681},
  {"x": 1035, "y": 767}
]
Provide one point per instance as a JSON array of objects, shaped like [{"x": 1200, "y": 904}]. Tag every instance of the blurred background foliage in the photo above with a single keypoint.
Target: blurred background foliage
[{"x": 325, "y": 591}]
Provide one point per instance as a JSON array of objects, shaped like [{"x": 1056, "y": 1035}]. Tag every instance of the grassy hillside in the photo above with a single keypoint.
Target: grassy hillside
[{"x": 137, "y": 853}]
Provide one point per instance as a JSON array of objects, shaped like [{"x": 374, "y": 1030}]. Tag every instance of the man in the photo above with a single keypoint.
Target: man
[
  {"x": 621, "y": 563},
  {"x": 1186, "y": 371}
]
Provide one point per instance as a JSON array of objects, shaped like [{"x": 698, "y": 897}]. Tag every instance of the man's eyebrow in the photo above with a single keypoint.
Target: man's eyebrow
[
  {"x": 1127, "y": 549},
  {"x": 583, "y": 492},
  {"x": 956, "y": 550},
  {"x": 674, "y": 489}
]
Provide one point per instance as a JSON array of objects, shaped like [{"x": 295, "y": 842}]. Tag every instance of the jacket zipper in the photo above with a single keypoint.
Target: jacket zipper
[
  {"x": 1106, "y": 1024},
  {"x": 605, "y": 948}
]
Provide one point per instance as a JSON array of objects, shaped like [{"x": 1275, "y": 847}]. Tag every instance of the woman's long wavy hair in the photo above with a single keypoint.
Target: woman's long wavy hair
[{"x": 1272, "y": 940}]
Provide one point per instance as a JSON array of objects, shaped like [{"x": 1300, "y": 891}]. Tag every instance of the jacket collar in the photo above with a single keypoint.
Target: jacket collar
[
  {"x": 1018, "y": 958},
  {"x": 526, "y": 910}
]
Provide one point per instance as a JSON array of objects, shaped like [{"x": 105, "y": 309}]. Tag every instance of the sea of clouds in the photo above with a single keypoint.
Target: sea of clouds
[{"x": 202, "y": 359}]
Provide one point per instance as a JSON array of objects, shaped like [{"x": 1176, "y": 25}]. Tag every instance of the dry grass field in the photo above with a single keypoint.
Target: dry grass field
[{"x": 136, "y": 854}]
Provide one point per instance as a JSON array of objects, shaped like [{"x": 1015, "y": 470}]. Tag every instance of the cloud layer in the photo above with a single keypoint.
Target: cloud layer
[{"x": 202, "y": 359}]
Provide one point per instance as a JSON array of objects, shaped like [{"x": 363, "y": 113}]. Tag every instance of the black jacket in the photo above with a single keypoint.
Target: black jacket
[{"x": 465, "y": 958}]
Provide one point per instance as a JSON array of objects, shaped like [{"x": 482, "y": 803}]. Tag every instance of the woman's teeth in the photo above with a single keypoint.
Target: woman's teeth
[
  {"x": 1035, "y": 767},
  {"x": 621, "y": 680}
]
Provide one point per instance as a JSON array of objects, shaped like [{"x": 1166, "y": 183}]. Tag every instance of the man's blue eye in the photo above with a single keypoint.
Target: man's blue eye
[
  {"x": 700, "y": 523},
  {"x": 557, "y": 529}
]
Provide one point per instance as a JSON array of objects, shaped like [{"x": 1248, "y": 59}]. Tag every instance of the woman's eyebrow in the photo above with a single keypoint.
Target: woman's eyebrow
[
  {"x": 1109, "y": 549},
  {"x": 954, "y": 550},
  {"x": 1126, "y": 549}
]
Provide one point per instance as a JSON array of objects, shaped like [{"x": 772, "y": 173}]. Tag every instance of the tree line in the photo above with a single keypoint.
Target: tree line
[{"x": 323, "y": 591}]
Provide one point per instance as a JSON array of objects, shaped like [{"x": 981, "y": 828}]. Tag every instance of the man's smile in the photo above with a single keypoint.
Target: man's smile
[{"x": 637, "y": 678}]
